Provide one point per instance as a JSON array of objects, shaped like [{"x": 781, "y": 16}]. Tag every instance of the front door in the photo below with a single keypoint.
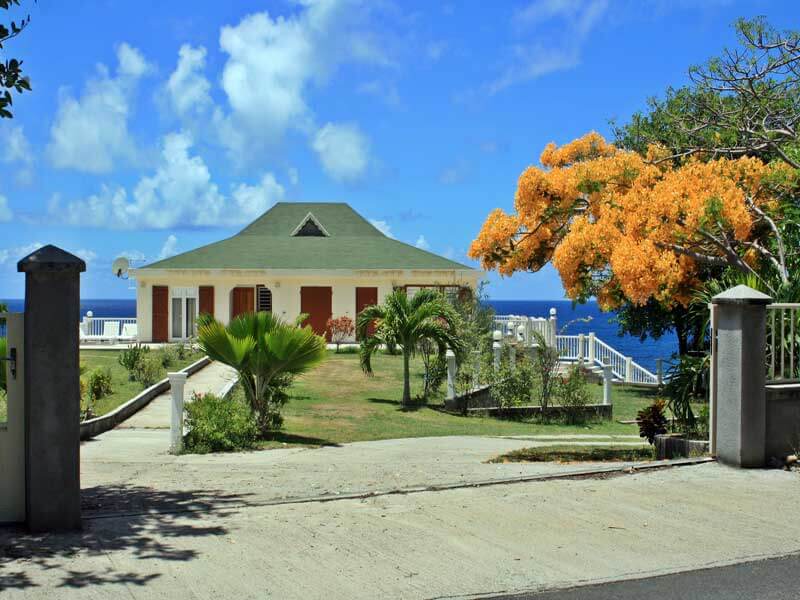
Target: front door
[
  {"x": 317, "y": 302},
  {"x": 366, "y": 296}
]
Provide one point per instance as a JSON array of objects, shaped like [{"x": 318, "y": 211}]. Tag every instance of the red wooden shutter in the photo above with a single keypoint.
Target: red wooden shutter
[
  {"x": 207, "y": 300},
  {"x": 317, "y": 301},
  {"x": 243, "y": 301},
  {"x": 160, "y": 313},
  {"x": 366, "y": 296}
]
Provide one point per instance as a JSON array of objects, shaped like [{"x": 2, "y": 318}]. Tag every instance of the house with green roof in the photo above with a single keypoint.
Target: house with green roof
[{"x": 323, "y": 259}]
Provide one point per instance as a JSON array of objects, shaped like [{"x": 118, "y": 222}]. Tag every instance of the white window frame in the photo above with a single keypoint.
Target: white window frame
[{"x": 183, "y": 294}]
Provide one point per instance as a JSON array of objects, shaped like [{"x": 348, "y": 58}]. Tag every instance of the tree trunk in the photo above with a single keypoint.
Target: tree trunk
[{"x": 406, "y": 378}]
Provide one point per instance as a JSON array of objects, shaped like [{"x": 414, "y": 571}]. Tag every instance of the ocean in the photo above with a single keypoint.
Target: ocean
[{"x": 570, "y": 319}]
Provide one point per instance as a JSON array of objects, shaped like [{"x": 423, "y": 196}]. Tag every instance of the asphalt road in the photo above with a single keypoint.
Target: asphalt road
[{"x": 773, "y": 579}]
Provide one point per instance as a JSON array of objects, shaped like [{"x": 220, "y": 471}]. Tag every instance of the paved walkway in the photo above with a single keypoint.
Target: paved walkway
[{"x": 156, "y": 415}]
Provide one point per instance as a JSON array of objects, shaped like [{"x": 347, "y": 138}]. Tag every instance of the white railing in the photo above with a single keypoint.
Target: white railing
[
  {"x": 585, "y": 348},
  {"x": 783, "y": 342},
  {"x": 123, "y": 329}
]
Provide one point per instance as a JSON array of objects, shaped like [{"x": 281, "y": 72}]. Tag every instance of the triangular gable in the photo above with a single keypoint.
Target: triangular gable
[{"x": 310, "y": 227}]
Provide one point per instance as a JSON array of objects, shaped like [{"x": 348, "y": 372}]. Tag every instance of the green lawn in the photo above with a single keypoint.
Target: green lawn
[
  {"x": 337, "y": 403},
  {"x": 123, "y": 389}
]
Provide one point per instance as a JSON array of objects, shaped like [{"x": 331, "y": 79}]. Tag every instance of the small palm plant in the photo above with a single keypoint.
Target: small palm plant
[
  {"x": 264, "y": 350},
  {"x": 404, "y": 323}
]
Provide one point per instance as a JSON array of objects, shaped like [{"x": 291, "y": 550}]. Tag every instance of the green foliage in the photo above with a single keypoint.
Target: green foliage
[
  {"x": 11, "y": 77},
  {"x": 573, "y": 394},
  {"x": 687, "y": 381},
  {"x": 131, "y": 359},
  {"x": 545, "y": 366},
  {"x": 435, "y": 368},
  {"x": 513, "y": 386},
  {"x": 265, "y": 351},
  {"x": 652, "y": 421},
  {"x": 400, "y": 322},
  {"x": 475, "y": 321},
  {"x": 149, "y": 370},
  {"x": 100, "y": 383},
  {"x": 218, "y": 425},
  {"x": 167, "y": 355}
]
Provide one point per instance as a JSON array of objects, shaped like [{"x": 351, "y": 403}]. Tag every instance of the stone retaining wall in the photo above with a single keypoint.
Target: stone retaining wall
[{"x": 783, "y": 420}]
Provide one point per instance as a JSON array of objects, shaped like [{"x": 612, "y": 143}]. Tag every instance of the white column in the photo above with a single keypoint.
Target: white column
[
  {"x": 553, "y": 327},
  {"x": 607, "y": 375},
  {"x": 591, "y": 357},
  {"x": 496, "y": 349},
  {"x": 628, "y": 369},
  {"x": 451, "y": 374},
  {"x": 580, "y": 349},
  {"x": 659, "y": 371},
  {"x": 177, "y": 381}
]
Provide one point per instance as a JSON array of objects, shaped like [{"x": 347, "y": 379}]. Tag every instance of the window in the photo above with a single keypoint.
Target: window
[
  {"x": 263, "y": 299},
  {"x": 183, "y": 309},
  {"x": 310, "y": 227}
]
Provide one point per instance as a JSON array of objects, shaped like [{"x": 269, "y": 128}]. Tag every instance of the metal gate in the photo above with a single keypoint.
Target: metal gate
[{"x": 12, "y": 429}]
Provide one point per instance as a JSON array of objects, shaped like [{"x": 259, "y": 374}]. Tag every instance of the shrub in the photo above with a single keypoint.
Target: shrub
[
  {"x": 150, "y": 370},
  {"x": 573, "y": 394},
  {"x": 100, "y": 383},
  {"x": 219, "y": 424},
  {"x": 513, "y": 387},
  {"x": 132, "y": 358},
  {"x": 167, "y": 355},
  {"x": 652, "y": 421},
  {"x": 341, "y": 329},
  {"x": 545, "y": 366},
  {"x": 181, "y": 351}
]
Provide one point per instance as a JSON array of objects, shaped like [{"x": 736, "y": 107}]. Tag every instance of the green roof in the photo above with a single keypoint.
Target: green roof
[{"x": 268, "y": 243}]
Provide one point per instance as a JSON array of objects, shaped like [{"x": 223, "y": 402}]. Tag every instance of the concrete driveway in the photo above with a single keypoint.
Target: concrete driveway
[{"x": 207, "y": 543}]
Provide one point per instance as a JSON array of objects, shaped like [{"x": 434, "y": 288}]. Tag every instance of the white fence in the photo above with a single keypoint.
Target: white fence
[
  {"x": 108, "y": 329},
  {"x": 584, "y": 348},
  {"x": 783, "y": 342}
]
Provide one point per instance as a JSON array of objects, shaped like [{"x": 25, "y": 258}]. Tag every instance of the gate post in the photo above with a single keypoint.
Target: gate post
[
  {"x": 740, "y": 378},
  {"x": 52, "y": 389},
  {"x": 177, "y": 381}
]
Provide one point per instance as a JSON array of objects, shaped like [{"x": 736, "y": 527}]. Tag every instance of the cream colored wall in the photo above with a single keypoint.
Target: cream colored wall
[{"x": 285, "y": 288}]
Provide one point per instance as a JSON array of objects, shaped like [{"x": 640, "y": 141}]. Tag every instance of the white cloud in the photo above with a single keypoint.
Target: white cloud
[
  {"x": 382, "y": 226},
  {"x": 6, "y": 214},
  {"x": 91, "y": 133},
  {"x": 133, "y": 255},
  {"x": 294, "y": 176},
  {"x": 272, "y": 62},
  {"x": 343, "y": 151},
  {"x": 573, "y": 20},
  {"x": 18, "y": 252},
  {"x": 422, "y": 243},
  {"x": 383, "y": 91},
  {"x": 87, "y": 255},
  {"x": 15, "y": 149},
  {"x": 187, "y": 87},
  {"x": 170, "y": 247},
  {"x": 179, "y": 193}
]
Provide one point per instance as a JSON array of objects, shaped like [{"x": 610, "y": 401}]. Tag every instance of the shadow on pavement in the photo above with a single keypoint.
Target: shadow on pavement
[{"x": 137, "y": 520}]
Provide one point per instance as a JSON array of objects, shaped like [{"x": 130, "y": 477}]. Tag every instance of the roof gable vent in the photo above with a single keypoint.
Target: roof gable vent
[{"x": 310, "y": 227}]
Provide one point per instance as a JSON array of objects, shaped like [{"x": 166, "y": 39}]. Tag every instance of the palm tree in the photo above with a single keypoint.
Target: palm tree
[
  {"x": 264, "y": 350},
  {"x": 405, "y": 322}
]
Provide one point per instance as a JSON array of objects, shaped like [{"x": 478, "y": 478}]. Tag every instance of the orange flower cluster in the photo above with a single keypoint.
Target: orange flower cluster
[{"x": 619, "y": 227}]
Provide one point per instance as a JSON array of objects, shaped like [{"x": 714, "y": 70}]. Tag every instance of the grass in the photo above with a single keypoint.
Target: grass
[
  {"x": 123, "y": 389},
  {"x": 336, "y": 403},
  {"x": 562, "y": 453}
]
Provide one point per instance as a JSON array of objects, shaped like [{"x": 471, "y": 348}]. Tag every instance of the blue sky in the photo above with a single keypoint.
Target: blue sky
[{"x": 156, "y": 127}]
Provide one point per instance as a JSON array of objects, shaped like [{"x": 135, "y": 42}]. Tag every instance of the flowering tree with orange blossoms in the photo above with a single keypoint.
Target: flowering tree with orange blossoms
[{"x": 630, "y": 228}]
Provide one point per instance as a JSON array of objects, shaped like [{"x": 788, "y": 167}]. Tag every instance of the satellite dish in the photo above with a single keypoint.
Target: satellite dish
[{"x": 120, "y": 267}]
